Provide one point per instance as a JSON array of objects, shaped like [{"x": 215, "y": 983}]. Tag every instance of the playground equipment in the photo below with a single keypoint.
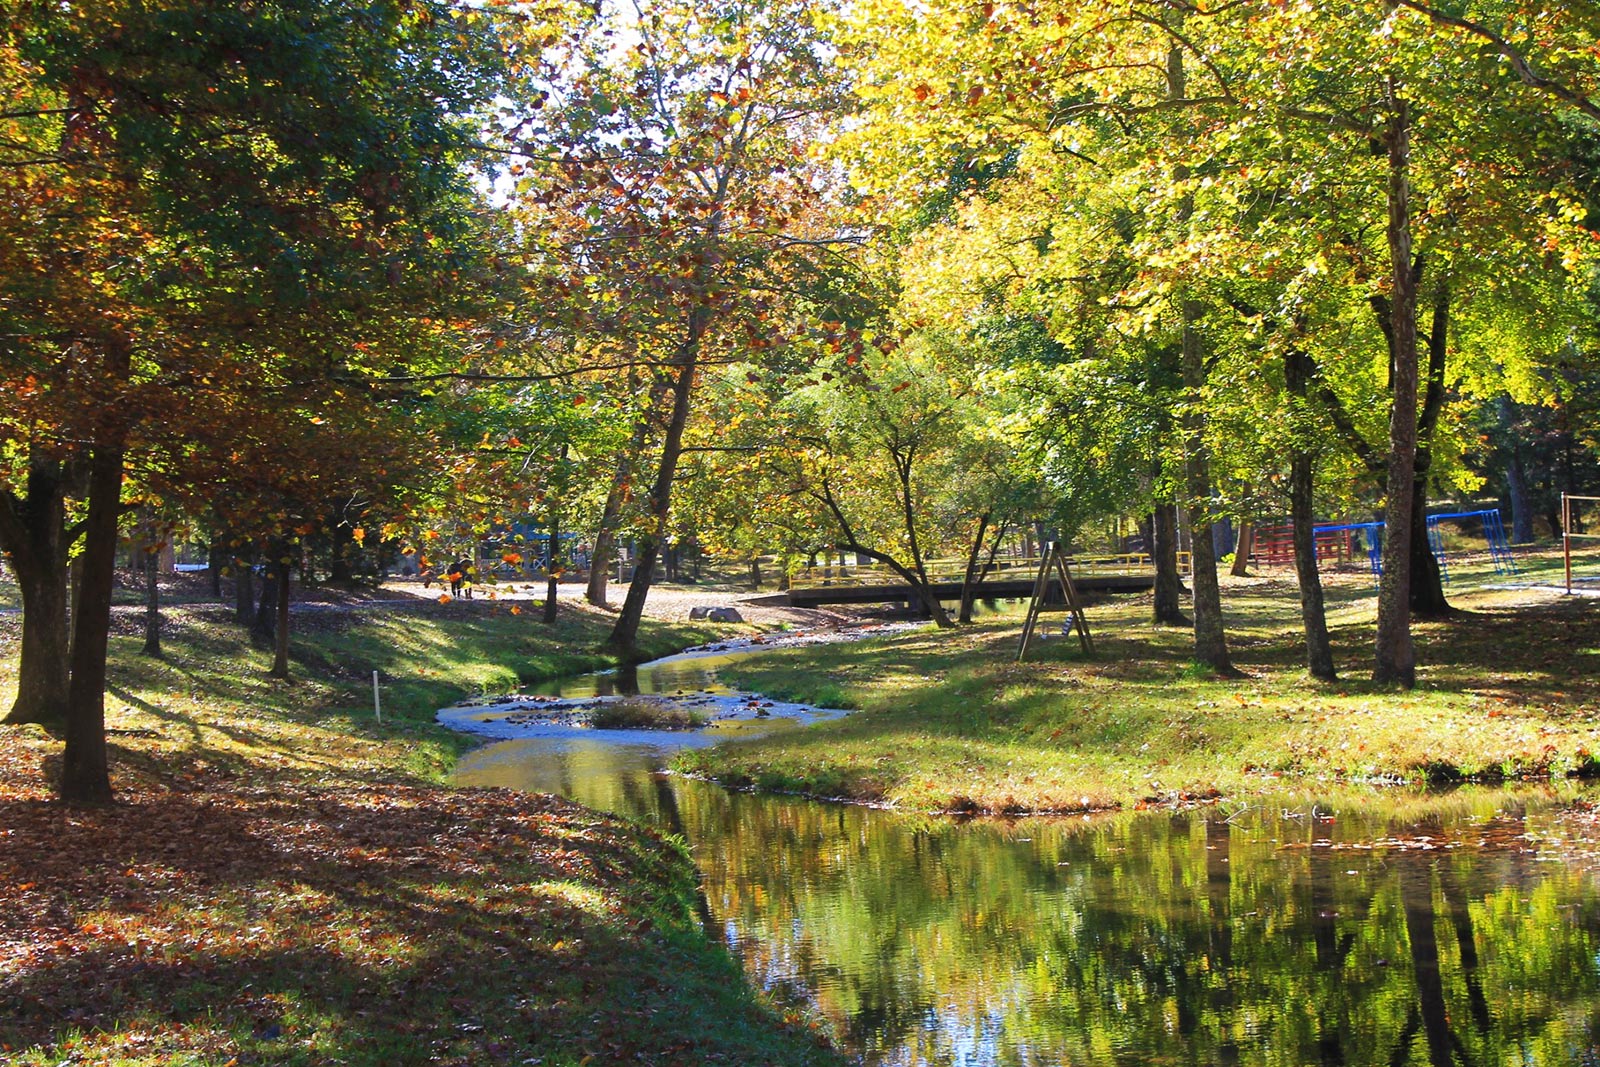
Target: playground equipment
[
  {"x": 1352, "y": 536},
  {"x": 1494, "y": 531},
  {"x": 1274, "y": 545},
  {"x": 1344, "y": 541},
  {"x": 1055, "y": 561},
  {"x": 1568, "y": 513}
]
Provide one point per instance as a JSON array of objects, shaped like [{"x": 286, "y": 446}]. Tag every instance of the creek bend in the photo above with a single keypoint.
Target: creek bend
[{"x": 1387, "y": 928}]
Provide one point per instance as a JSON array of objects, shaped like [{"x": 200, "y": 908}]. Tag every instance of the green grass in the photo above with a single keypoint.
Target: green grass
[
  {"x": 285, "y": 881},
  {"x": 432, "y": 658},
  {"x": 644, "y": 715},
  {"x": 948, "y": 721}
]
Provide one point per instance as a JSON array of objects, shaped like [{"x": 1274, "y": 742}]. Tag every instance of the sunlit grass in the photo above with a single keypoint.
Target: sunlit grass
[{"x": 949, "y": 720}]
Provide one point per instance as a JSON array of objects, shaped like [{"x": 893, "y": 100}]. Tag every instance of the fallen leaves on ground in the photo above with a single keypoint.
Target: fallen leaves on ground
[{"x": 298, "y": 923}]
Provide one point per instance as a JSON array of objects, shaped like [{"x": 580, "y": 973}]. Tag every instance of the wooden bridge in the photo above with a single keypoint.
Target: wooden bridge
[{"x": 1008, "y": 579}]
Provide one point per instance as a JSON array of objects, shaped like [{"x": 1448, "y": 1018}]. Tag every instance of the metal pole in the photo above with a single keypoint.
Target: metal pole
[
  {"x": 377, "y": 706},
  {"x": 1566, "y": 538}
]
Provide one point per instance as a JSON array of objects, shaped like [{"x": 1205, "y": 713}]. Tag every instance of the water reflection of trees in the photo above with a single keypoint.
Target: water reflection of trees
[{"x": 1173, "y": 939}]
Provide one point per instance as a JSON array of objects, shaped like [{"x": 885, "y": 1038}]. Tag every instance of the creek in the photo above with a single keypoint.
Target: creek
[{"x": 1387, "y": 928}]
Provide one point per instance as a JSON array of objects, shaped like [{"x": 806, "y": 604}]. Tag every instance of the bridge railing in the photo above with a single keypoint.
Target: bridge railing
[{"x": 947, "y": 571}]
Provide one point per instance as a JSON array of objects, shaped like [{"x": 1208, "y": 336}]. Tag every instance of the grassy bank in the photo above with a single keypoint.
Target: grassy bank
[
  {"x": 949, "y": 722},
  {"x": 285, "y": 881}
]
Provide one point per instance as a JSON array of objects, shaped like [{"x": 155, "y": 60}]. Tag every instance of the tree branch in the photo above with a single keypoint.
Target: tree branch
[{"x": 1519, "y": 63}]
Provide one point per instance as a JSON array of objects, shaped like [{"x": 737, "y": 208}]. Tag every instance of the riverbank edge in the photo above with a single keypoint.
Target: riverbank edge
[
  {"x": 946, "y": 723},
  {"x": 203, "y": 729}
]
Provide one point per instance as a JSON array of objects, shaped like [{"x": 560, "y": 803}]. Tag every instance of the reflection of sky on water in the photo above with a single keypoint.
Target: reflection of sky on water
[{"x": 1396, "y": 930}]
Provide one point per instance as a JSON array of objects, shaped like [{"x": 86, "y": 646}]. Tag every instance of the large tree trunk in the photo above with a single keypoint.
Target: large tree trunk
[
  {"x": 33, "y": 531},
  {"x": 605, "y": 539},
  {"x": 1167, "y": 606},
  {"x": 625, "y": 634},
  {"x": 1394, "y": 654},
  {"x": 85, "y": 771},
  {"x": 43, "y": 673},
  {"x": 599, "y": 563},
  {"x": 1427, "y": 580}
]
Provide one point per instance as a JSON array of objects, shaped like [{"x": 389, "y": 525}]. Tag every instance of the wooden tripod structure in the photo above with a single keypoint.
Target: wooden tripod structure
[{"x": 1054, "y": 561}]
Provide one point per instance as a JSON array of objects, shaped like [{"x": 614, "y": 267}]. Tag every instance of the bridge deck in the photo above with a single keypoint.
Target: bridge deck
[{"x": 1008, "y": 588}]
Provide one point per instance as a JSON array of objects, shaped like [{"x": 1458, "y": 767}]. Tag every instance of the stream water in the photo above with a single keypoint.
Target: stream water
[{"x": 1388, "y": 930}]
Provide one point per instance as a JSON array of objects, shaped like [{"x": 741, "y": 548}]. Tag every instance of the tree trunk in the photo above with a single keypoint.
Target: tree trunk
[
  {"x": 1516, "y": 476},
  {"x": 930, "y": 602},
  {"x": 85, "y": 771},
  {"x": 969, "y": 577},
  {"x": 341, "y": 555},
  {"x": 43, "y": 673},
  {"x": 1313, "y": 613},
  {"x": 214, "y": 558},
  {"x": 552, "y": 571},
  {"x": 1394, "y": 653},
  {"x": 1167, "y": 605},
  {"x": 755, "y": 574},
  {"x": 983, "y": 571},
  {"x": 244, "y": 597},
  {"x": 74, "y": 588},
  {"x": 625, "y": 634},
  {"x": 1302, "y": 516},
  {"x": 280, "y": 657},
  {"x": 1210, "y": 638},
  {"x": 1243, "y": 544},
  {"x": 1427, "y": 580},
  {"x": 915, "y": 576},
  {"x": 605, "y": 541},
  {"x": 33, "y": 531},
  {"x": 265, "y": 627},
  {"x": 152, "y": 589},
  {"x": 605, "y": 538}
]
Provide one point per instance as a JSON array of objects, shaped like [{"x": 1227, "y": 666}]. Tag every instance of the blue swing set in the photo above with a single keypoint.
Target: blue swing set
[{"x": 1494, "y": 531}]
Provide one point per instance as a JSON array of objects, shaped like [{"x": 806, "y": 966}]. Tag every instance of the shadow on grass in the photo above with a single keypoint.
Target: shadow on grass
[{"x": 412, "y": 926}]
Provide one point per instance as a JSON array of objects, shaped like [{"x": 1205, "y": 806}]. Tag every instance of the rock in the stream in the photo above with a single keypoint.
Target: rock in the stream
[{"x": 716, "y": 614}]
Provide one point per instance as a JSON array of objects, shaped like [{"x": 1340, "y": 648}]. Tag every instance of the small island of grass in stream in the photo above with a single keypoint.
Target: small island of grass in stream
[{"x": 949, "y": 721}]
